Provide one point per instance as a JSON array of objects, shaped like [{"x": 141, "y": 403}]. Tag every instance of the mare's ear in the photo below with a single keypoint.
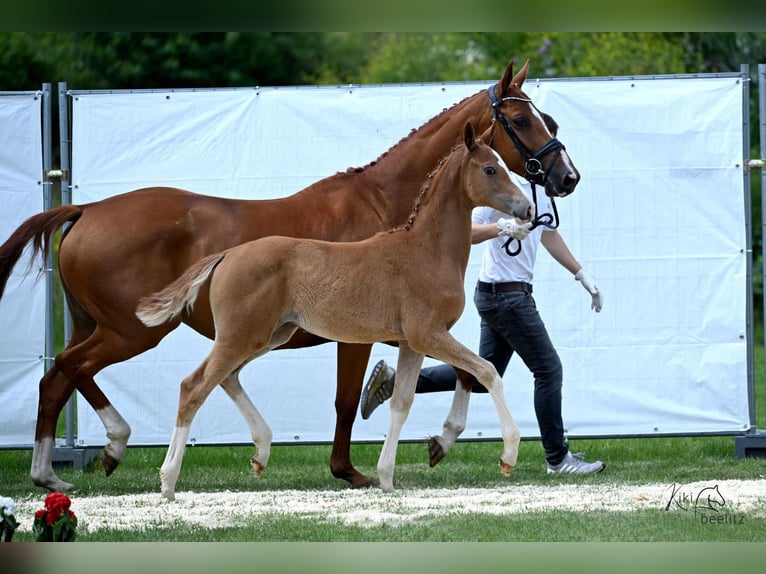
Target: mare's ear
[
  {"x": 517, "y": 80},
  {"x": 469, "y": 136}
]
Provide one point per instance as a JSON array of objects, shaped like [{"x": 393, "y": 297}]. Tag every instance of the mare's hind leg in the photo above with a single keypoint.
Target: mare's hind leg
[
  {"x": 259, "y": 428},
  {"x": 55, "y": 389},
  {"x": 407, "y": 369},
  {"x": 80, "y": 363},
  {"x": 352, "y": 362}
]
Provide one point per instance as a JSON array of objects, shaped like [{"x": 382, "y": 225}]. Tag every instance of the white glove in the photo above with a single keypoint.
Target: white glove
[
  {"x": 510, "y": 228},
  {"x": 590, "y": 286}
]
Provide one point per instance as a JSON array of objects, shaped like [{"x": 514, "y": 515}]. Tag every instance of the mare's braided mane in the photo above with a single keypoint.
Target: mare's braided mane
[{"x": 424, "y": 190}]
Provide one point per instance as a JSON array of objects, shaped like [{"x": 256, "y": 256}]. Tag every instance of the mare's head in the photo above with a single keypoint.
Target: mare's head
[
  {"x": 487, "y": 182},
  {"x": 526, "y": 138}
]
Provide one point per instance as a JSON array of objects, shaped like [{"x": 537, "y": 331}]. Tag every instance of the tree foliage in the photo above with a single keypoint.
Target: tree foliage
[{"x": 133, "y": 60}]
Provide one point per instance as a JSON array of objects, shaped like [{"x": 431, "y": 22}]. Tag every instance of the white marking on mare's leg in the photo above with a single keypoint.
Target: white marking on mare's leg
[
  {"x": 41, "y": 471},
  {"x": 117, "y": 431}
]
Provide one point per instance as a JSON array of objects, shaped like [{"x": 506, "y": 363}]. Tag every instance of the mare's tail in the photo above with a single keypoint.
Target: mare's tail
[
  {"x": 181, "y": 294},
  {"x": 38, "y": 230}
]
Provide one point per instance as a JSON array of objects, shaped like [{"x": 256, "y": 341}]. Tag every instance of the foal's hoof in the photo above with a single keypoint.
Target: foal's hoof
[
  {"x": 506, "y": 468},
  {"x": 109, "y": 463},
  {"x": 257, "y": 466},
  {"x": 435, "y": 451}
]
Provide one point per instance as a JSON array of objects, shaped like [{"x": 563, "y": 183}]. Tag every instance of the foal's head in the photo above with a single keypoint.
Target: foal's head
[{"x": 487, "y": 181}]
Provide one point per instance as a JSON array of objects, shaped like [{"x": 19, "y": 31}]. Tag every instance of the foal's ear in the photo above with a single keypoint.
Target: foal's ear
[
  {"x": 517, "y": 80},
  {"x": 469, "y": 136}
]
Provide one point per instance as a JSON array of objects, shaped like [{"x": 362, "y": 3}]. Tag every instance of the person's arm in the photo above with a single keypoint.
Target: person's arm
[
  {"x": 557, "y": 247},
  {"x": 483, "y": 231},
  {"x": 504, "y": 227}
]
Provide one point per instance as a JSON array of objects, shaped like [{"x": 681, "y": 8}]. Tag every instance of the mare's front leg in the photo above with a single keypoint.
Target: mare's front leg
[
  {"x": 352, "y": 363},
  {"x": 407, "y": 369}
]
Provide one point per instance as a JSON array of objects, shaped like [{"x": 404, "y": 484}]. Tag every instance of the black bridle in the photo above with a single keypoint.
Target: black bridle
[{"x": 533, "y": 166}]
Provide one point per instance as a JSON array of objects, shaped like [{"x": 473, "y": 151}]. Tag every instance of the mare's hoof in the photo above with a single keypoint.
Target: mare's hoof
[
  {"x": 435, "y": 451},
  {"x": 361, "y": 481},
  {"x": 257, "y": 466},
  {"x": 109, "y": 463},
  {"x": 506, "y": 468}
]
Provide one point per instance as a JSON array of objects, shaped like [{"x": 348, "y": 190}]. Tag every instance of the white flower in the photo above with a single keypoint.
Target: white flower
[{"x": 7, "y": 505}]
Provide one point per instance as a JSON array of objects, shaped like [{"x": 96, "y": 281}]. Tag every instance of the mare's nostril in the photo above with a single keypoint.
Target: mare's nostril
[{"x": 570, "y": 181}]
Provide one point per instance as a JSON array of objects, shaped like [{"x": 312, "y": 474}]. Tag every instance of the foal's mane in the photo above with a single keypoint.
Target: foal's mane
[
  {"x": 424, "y": 190},
  {"x": 412, "y": 132}
]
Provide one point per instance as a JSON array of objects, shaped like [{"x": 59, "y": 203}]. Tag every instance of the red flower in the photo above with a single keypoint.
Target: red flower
[{"x": 55, "y": 522}]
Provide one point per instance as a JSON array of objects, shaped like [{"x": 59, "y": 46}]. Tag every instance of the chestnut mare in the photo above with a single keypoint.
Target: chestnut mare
[
  {"x": 112, "y": 255},
  {"x": 405, "y": 286}
]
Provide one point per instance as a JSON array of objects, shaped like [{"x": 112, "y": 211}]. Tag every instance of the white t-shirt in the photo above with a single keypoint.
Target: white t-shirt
[{"x": 496, "y": 265}]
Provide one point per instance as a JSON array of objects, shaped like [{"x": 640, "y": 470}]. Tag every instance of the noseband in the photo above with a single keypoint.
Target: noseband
[{"x": 533, "y": 166}]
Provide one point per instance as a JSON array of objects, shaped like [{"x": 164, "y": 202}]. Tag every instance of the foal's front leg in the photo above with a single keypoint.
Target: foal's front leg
[
  {"x": 454, "y": 425},
  {"x": 407, "y": 369},
  {"x": 447, "y": 349}
]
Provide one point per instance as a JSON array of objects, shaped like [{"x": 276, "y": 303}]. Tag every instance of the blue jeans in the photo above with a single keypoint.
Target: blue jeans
[{"x": 511, "y": 323}]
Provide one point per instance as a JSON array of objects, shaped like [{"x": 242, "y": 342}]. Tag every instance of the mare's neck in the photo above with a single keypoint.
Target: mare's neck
[{"x": 398, "y": 174}]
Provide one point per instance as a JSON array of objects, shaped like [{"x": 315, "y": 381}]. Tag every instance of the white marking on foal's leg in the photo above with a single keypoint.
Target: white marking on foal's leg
[
  {"x": 259, "y": 428},
  {"x": 117, "y": 431},
  {"x": 41, "y": 471},
  {"x": 508, "y": 428},
  {"x": 407, "y": 369},
  {"x": 454, "y": 424},
  {"x": 171, "y": 467}
]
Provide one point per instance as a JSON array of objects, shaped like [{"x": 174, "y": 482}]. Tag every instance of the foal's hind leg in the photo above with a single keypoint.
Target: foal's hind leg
[
  {"x": 214, "y": 370},
  {"x": 259, "y": 428}
]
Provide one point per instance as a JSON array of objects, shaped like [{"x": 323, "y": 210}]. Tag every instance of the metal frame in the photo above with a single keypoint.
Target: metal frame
[{"x": 752, "y": 443}]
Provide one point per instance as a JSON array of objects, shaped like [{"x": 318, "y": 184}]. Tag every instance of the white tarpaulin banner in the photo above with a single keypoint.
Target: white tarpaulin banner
[
  {"x": 658, "y": 219},
  {"x": 22, "y": 307}
]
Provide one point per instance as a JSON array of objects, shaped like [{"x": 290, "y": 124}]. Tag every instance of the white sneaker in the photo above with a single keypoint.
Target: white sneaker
[{"x": 575, "y": 464}]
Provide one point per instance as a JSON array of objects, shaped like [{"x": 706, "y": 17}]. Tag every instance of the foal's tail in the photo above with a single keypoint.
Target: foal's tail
[
  {"x": 38, "y": 230},
  {"x": 181, "y": 294}
]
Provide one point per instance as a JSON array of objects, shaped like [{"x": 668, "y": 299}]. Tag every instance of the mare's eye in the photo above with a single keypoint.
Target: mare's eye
[
  {"x": 520, "y": 122},
  {"x": 490, "y": 170}
]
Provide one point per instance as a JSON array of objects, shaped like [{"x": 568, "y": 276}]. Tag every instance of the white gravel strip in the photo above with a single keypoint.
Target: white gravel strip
[{"x": 370, "y": 508}]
